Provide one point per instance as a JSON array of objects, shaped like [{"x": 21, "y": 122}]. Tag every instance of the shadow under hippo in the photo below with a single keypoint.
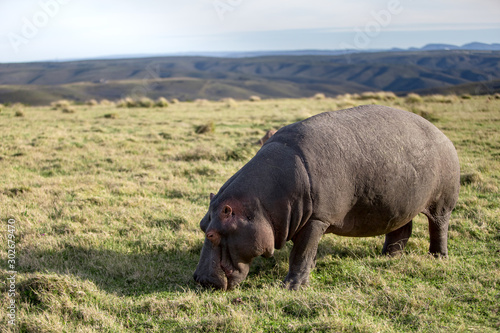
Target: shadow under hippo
[{"x": 359, "y": 172}]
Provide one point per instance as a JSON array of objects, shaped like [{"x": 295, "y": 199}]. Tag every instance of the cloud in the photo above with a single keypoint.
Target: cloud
[{"x": 92, "y": 27}]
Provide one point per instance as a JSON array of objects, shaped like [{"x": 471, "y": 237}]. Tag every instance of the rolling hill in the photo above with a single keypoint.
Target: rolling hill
[{"x": 189, "y": 78}]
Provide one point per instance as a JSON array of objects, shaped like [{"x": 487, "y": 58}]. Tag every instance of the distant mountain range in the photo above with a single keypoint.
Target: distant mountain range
[
  {"x": 271, "y": 76},
  {"x": 474, "y": 46}
]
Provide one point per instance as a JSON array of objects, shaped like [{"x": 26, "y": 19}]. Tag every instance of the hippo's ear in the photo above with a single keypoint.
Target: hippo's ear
[
  {"x": 227, "y": 219},
  {"x": 212, "y": 196},
  {"x": 226, "y": 213}
]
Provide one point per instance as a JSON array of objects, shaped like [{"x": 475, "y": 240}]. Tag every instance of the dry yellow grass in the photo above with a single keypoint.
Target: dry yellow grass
[{"x": 107, "y": 211}]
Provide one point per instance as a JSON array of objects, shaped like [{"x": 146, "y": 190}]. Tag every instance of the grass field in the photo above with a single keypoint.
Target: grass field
[{"x": 107, "y": 204}]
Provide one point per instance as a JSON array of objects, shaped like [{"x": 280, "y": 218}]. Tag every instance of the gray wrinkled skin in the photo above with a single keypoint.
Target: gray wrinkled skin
[{"x": 359, "y": 172}]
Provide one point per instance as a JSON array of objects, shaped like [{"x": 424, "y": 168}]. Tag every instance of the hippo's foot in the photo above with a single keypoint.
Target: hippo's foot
[
  {"x": 295, "y": 282},
  {"x": 396, "y": 240},
  {"x": 438, "y": 232},
  {"x": 439, "y": 255},
  {"x": 303, "y": 255}
]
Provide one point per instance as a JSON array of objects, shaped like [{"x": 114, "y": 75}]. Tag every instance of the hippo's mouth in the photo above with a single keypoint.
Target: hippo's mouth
[
  {"x": 219, "y": 268},
  {"x": 228, "y": 270}
]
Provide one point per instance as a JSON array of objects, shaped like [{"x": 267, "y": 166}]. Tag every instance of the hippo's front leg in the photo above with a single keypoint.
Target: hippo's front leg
[{"x": 303, "y": 255}]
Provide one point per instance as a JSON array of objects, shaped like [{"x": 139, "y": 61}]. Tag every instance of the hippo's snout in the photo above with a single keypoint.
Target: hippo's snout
[{"x": 210, "y": 281}]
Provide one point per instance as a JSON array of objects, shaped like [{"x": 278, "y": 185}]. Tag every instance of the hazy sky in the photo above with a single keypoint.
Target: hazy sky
[{"x": 33, "y": 30}]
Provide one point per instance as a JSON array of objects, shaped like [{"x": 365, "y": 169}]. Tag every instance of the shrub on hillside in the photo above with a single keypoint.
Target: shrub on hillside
[
  {"x": 145, "y": 102},
  {"x": 368, "y": 95},
  {"x": 348, "y": 96},
  {"x": 254, "y": 98},
  {"x": 161, "y": 102},
  {"x": 129, "y": 102},
  {"x": 60, "y": 104},
  {"x": 346, "y": 101},
  {"x": 378, "y": 96},
  {"x": 319, "y": 96},
  {"x": 387, "y": 95},
  {"x": 413, "y": 98},
  {"x": 230, "y": 103},
  {"x": 106, "y": 102},
  {"x": 201, "y": 101},
  {"x": 91, "y": 102},
  {"x": 126, "y": 102}
]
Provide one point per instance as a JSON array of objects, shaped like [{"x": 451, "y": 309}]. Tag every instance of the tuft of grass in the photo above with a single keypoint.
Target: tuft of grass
[
  {"x": 161, "y": 102},
  {"x": 106, "y": 102},
  {"x": 254, "y": 98},
  {"x": 199, "y": 153},
  {"x": 387, "y": 95},
  {"x": 413, "y": 98},
  {"x": 15, "y": 191},
  {"x": 425, "y": 112},
  {"x": 229, "y": 102},
  {"x": 473, "y": 178},
  {"x": 126, "y": 102},
  {"x": 112, "y": 115},
  {"x": 319, "y": 96},
  {"x": 92, "y": 102},
  {"x": 447, "y": 99},
  {"x": 376, "y": 96},
  {"x": 201, "y": 102},
  {"x": 367, "y": 96},
  {"x": 19, "y": 113},
  {"x": 242, "y": 152},
  {"x": 68, "y": 109},
  {"x": 205, "y": 128},
  {"x": 466, "y": 96},
  {"x": 61, "y": 104},
  {"x": 145, "y": 102}
]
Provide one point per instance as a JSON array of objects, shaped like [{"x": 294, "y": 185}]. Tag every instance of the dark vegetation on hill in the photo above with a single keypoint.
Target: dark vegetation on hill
[{"x": 188, "y": 78}]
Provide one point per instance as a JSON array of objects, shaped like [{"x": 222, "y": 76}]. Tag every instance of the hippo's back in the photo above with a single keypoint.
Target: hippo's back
[{"x": 372, "y": 162}]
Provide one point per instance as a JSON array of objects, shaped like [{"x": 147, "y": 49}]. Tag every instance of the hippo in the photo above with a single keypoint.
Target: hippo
[{"x": 359, "y": 172}]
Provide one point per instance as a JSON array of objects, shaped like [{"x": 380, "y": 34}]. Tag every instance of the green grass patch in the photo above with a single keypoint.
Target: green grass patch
[{"x": 107, "y": 203}]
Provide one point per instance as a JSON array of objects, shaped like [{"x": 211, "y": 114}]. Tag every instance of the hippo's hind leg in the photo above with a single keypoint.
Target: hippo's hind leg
[
  {"x": 438, "y": 232},
  {"x": 395, "y": 241}
]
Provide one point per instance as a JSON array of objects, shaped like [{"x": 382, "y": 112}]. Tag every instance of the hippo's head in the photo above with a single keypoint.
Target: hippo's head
[{"x": 235, "y": 233}]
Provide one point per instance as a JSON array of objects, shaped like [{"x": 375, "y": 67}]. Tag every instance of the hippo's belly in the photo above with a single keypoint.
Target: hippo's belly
[{"x": 371, "y": 170}]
